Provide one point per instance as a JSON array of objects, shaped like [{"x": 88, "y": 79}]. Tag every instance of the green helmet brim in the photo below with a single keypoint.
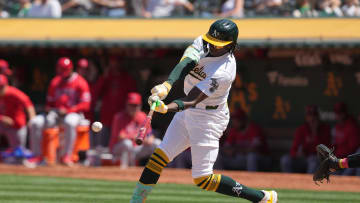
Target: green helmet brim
[{"x": 214, "y": 41}]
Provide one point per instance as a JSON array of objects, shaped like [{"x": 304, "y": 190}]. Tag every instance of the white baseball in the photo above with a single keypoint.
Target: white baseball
[{"x": 96, "y": 126}]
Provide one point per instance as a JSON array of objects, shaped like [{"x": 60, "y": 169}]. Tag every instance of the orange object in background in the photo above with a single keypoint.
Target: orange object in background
[
  {"x": 82, "y": 142},
  {"x": 50, "y": 143}
]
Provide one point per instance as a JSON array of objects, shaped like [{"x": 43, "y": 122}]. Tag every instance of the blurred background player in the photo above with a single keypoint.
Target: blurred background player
[
  {"x": 67, "y": 99},
  {"x": 245, "y": 146},
  {"x": 303, "y": 156},
  {"x": 45, "y": 9},
  {"x": 125, "y": 127},
  {"x": 4, "y": 68},
  {"x": 165, "y": 8},
  {"x": 15, "y": 109},
  {"x": 111, "y": 90},
  {"x": 87, "y": 69},
  {"x": 345, "y": 134}
]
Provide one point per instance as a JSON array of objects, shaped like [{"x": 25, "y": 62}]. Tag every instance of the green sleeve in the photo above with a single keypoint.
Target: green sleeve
[{"x": 181, "y": 69}]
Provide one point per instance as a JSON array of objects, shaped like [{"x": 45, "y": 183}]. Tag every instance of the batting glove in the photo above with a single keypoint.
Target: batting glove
[
  {"x": 161, "y": 107},
  {"x": 161, "y": 90},
  {"x": 153, "y": 98}
]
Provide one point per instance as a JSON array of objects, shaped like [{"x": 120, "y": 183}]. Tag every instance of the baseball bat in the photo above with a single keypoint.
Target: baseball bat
[{"x": 142, "y": 131}]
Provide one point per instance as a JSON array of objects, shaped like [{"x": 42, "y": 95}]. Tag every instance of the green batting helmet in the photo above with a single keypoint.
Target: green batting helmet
[{"x": 221, "y": 33}]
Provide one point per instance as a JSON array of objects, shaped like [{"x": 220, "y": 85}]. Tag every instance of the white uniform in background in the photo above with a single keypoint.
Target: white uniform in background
[
  {"x": 201, "y": 127},
  {"x": 51, "y": 9}
]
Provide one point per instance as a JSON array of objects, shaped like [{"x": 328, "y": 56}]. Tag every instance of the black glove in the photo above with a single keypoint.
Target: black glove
[{"x": 328, "y": 163}]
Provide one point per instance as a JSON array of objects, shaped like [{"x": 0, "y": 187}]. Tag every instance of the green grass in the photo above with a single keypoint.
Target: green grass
[{"x": 20, "y": 189}]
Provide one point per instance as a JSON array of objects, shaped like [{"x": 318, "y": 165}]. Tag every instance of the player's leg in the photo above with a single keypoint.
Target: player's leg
[
  {"x": 204, "y": 150},
  {"x": 71, "y": 122},
  {"x": 124, "y": 150},
  {"x": 37, "y": 125},
  {"x": 143, "y": 152},
  {"x": 312, "y": 164},
  {"x": 174, "y": 142},
  {"x": 252, "y": 160},
  {"x": 16, "y": 137},
  {"x": 203, "y": 160}
]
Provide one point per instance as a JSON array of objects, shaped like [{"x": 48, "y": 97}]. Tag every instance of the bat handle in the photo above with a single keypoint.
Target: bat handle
[
  {"x": 154, "y": 104},
  {"x": 140, "y": 139}
]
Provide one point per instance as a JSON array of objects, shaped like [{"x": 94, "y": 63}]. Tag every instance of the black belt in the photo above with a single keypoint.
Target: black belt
[{"x": 211, "y": 107}]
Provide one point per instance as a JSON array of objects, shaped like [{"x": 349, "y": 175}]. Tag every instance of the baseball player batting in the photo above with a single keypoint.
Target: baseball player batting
[{"x": 209, "y": 68}]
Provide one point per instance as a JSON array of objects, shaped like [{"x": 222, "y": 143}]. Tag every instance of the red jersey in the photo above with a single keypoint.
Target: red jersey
[
  {"x": 252, "y": 136},
  {"x": 113, "y": 90},
  {"x": 13, "y": 104},
  {"x": 125, "y": 125},
  {"x": 72, "y": 94},
  {"x": 303, "y": 138},
  {"x": 346, "y": 139}
]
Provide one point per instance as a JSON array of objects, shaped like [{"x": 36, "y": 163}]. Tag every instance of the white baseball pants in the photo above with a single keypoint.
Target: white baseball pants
[{"x": 199, "y": 129}]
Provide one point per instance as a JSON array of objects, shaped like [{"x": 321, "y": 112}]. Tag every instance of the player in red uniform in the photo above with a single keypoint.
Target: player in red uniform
[
  {"x": 306, "y": 138},
  {"x": 4, "y": 68},
  {"x": 346, "y": 135},
  {"x": 68, "y": 97},
  {"x": 14, "y": 107},
  {"x": 112, "y": 89},
  {"x": 245, "y": 146},
  {"x": 124, "y": 130}
]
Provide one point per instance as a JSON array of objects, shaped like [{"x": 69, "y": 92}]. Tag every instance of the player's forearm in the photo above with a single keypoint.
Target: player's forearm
[
  {"x": 175, "y": 107},
  {"x": 31, "y": 112},
  {"x": 194, "y": 97},
  {"x": 81, "y": 107},
  {"x": 181, "y": 70}
]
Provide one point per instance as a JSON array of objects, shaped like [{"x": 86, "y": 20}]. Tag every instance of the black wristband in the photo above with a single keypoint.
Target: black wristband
[{"x": 180, "y": 104}]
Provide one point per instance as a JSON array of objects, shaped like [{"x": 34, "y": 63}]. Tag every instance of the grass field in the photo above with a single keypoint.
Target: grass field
[{"x": 19, "y": 189}]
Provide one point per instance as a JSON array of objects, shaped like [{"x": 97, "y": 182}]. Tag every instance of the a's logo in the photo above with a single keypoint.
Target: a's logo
[
  {"x": 198, "y": 72},
  {"x": 215, "y": 33},
  {"x": 334, "y": 84},
  {"x": 237, "y": 189},
  {"x": 214, "y": 84}
]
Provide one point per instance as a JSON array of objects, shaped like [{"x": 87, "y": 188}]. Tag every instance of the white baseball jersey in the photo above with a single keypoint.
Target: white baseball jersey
[
  {"x": 212, "y": 75},
  {"x": 201, "y": 128}
]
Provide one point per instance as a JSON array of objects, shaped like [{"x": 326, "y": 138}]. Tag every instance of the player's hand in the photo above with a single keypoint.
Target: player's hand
[
  {"x": 62, "y": 111},
  {"x": 6, "y": 120},
  {"x": 153, "y": 98},
  {"x": 161, "y": 90},
  {"x": 161, "y": 107}
]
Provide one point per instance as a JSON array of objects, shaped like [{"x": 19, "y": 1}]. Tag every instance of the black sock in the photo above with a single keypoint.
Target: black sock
[
  {"x": 151, "y": 174},
  {"x": 227, "y": 186}
]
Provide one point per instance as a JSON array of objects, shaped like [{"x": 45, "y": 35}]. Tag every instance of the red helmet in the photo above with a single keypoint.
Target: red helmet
[
  {"x": 3, "y": 80},
  {"x": 83, "y": 63},
  {"x": 4, "y": 67},
  {"x": 64, "y": 67},
  {"x": 312, "y": 110},
  {"x": 134, "y": 98}
]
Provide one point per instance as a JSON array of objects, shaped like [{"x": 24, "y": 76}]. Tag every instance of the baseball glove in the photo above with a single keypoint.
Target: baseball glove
[{"x": 328, "y": 164}]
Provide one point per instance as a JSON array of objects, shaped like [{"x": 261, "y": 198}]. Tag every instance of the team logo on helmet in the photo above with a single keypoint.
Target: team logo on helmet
[{"x": 215, "y": 33}]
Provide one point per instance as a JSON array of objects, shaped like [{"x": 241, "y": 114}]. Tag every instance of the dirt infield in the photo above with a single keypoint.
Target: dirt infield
[{"x": 256, "y": 179}]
